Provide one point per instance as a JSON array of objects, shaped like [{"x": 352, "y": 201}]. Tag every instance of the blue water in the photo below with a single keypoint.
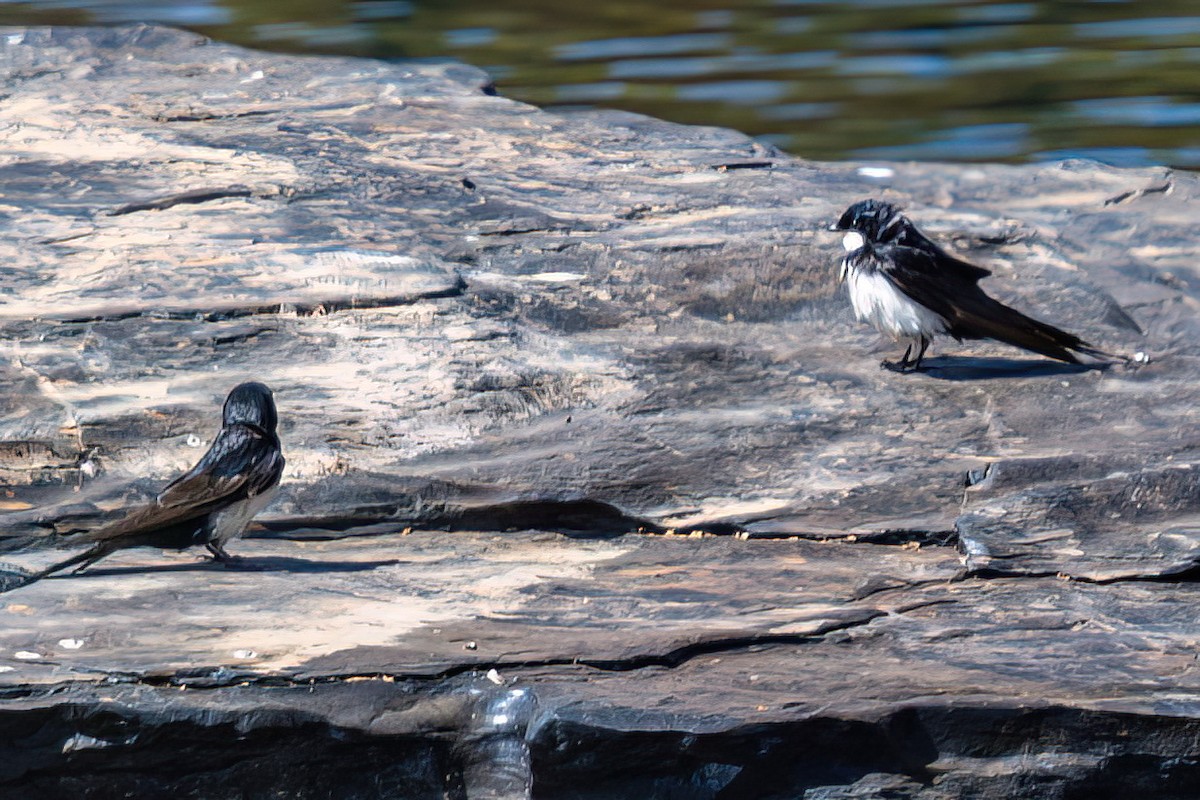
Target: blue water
[{"x": 959, "y": 81}]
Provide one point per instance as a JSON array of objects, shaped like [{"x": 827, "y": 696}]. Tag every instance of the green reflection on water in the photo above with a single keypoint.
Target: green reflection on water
[{"x": 1007, "y": 81}]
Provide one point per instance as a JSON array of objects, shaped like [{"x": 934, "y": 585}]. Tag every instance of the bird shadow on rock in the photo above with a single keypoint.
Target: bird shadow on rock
[
  {"x": 971, "y": 368},
  {"x": 243, "y": 564}
]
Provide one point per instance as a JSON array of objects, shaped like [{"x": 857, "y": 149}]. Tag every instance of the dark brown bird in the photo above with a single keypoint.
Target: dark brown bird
[{"x": 213, "y": 502}]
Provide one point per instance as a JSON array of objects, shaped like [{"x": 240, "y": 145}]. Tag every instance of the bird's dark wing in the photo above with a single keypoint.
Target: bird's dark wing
[
  {"x": 972, "y": 314},
  {"x": 242, "y": 461},
  {"x": 925, "y": 277},
  {"x": 911, "y": 238}
]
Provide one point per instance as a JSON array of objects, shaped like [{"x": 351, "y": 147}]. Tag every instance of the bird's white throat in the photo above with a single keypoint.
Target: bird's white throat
[{"x": 853, "y": 240}]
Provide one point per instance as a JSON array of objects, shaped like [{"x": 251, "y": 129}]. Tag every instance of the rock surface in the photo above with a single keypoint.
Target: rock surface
[{"x": 528, "y": 365}]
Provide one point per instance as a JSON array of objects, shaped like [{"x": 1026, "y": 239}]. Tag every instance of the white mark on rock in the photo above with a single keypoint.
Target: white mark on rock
[
  {"x": 876, "y": 172},
  {"x": 1141, "y": 357},
  {"x": 494, "y": 677},
  {"x": 70, "y": 644},
  {"x": 974, "y": 547},
  {"x": 556, "y": 277},
  {"x": 257, "y": 75},
  {"x": 7, "y": 668},
  {"x": 193, "y": 440},
  {"x": 245, "y": 654},
  {"x": 82, "y": 741},
  {"x": 27, "y": 655}
]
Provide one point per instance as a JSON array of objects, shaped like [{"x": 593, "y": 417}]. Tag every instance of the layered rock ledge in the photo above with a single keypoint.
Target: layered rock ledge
[{"x": 595, "y": 488}]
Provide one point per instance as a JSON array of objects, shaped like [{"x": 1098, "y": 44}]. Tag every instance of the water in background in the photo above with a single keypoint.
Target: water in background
[{"x": 961, "y": 81}]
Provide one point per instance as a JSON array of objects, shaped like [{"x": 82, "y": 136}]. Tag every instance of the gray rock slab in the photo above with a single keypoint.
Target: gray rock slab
[
  {"x": 561, "y": 351},
  {"x": 1061, "y": 516},
  {"x": 419, "y": 605}
]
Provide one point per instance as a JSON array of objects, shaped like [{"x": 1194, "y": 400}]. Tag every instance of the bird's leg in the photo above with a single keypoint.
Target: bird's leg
[
  {"x": 218, "y": 553},
  {"x": 916, "y": 365},
  {"x": 903, "y": 365}
]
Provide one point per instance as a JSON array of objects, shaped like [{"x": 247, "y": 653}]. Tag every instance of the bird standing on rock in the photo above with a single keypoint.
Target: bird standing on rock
[
  {"x": 909, "y": 288},
  {"x": 214, "y": 501}
]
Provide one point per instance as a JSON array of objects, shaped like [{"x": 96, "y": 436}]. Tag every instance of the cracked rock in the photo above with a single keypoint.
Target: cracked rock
[{"x": 572, "y": 399}]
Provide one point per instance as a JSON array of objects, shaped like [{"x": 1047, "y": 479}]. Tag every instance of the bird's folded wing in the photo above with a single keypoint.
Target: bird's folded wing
[
  {"x": 240, "y": 463},
  {"x": 912, "y": 239},
  {"x": 971, "y": 314},
  {"x": 920, "y": 276}
]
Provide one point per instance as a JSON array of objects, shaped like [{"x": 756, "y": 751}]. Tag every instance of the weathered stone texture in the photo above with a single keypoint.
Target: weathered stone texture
[{"x": 552, "y": 345}]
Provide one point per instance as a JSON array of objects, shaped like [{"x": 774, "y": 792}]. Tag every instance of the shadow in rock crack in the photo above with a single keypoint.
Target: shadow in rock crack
[
  {"x": 580, "y": 518},
  {"x": 1184, "y": 573},
  {"x": 255, "y": 564},
  {"x": 753, "y": 761},
  {"x": 60, "y": 753}
]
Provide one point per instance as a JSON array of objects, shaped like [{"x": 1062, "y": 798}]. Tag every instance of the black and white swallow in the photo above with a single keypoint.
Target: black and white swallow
[
  {"x": 213, "y": 502},
  {"x": 911, "y": 289}
]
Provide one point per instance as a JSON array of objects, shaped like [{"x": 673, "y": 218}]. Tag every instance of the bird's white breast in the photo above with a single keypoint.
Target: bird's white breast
[
  {"x": 877, "y": 300},
  {"x": 230, "y": 523}
]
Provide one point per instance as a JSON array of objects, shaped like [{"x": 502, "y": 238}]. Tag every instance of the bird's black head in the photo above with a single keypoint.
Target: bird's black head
[
  {"x": 251, "y": 403},
  {"x": 874, "y": 219}
]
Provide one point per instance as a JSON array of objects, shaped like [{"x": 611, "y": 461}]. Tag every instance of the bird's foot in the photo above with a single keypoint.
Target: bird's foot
[
  {"x": 903, "y": 367},
  {"x": 222, "y": 557},
  {"x": 237, "y": 562},
  {"x": 1138, "y": 359}
]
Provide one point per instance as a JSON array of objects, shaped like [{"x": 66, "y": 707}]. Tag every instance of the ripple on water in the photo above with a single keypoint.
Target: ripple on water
[
  {"x": 604, "y": 49},
  {"x": 826, "y": 79},
  {"x": 1141, "y": 111}
]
